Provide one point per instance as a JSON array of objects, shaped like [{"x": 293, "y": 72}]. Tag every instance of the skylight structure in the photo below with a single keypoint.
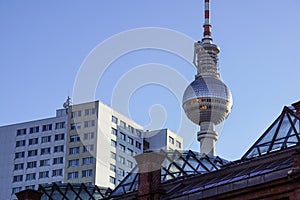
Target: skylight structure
[
  {"x": 176, "y": 164},
  {"x": 283, "y": 133}
]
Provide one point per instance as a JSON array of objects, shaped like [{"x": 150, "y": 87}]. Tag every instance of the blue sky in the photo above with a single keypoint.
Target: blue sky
[{"x": 44, "y": 43}]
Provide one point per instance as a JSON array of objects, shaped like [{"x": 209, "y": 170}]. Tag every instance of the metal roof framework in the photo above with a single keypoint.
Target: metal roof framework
[
  {"x": 283, "y": 133},
  {"x": 175, "y": 165},
  {"x": 239, "y": 174},
  {"x": 72, "y": 191}
]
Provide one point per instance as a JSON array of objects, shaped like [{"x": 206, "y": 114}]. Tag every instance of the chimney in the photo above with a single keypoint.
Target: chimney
[
  {"x": 149, "y": 164},
  {"x": 297, "y": 107},
  {"x": 29, "y": 195}
]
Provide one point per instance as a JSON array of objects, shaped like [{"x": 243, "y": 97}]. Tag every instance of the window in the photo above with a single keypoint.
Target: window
[
  {"x": 113, "y": 143},
  {"x": 44, "y": 174},
  {"x": 18, "y": 178},
  {"x": 87, "y": 161},
  {"x": 57, "y": 172},
  {"x": 130, "y": 152},
  {"x": 21, "y": 132},
  {"x": 171, "y": 140},
  {"x": 114, "y": 119},
  {"x": 90, "y": 123},
  {"x": 130, "y": 140},
  {"x": 20, "y": 143},
  {"x": 59, "y": 148},
  {"x": 121, "y": 172},
  {"x": 74, "y": 150},
  {"x": 75, "y": 126},
  {"x": 16, "y": 189},
  {"x": 72, "y": 175},
  {"x": 178, "y": 144},
  {"x": 138, "y": 133},
  {"x": 131, "y": 129},
  {"x": 114, "y": 131},
  {"x": 45, "y": 163},
  {"x": 74, "y": 138},
  {"x": 122, "y": 147},
  {"x": 45, "y": 151},
  {"x": 58, "y": 160},
  {"x": 86, "y": 173},
  {"x": 113, "y": 155},
  {"x": 90, "y": 111},
  {"x": 46, "y": 139},
  {"x": 34, "y": 129},
  {"x": 112, "y": 168},
  {"x": 129, "y": 163},
  {"x": 20, "y": 155},
  {"x": 122, "y": 136},
  {"x": 33, "y": 141},
  {"x": 31, "y": 164},
  {"x": 88, "y": 148},
  {"x": 47, "y": 127},
  {"x": 32, "y": 153},
  {"x": 122, "y": 159},
  {"x": 59, "y": 125},
  {"x": 138, "y": 145},
  {"x": 19, "y": 166},
  {"x": 73, "y": 163},
  {"x": 123, "y": 124},
  {"x": 89, "y": 136},
  {"x": 112, "y": 180},
  {"x": 75, "y": 114},
  {"x": 60, "y": 136},
  {"x": 30, "y": 187},
  {"x": 30, "y": 176}
]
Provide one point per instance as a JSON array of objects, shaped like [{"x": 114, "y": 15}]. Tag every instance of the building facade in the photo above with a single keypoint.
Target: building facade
[
  {"x": 100, "y": 145},
  {"x": 33, "y": 153},
  {"x": 87, "y": 143}
]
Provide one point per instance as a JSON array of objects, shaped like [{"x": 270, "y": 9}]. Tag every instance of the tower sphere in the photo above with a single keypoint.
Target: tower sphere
[{"x": 207, "y": 99}]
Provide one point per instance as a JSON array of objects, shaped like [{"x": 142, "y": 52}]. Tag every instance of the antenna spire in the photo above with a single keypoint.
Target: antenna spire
[{"x": 207, "y": 25}]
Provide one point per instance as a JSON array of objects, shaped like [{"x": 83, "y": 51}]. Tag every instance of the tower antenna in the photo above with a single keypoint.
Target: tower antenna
[{"x": 207, "y": 26}]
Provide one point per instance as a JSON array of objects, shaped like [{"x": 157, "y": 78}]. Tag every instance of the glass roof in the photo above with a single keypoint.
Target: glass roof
[
  {"x": 283, "y": 133},
  {"x": 65, "y": 191},
  {"x": 234, "y": 174},
  {"x": 176, "y": 164}
]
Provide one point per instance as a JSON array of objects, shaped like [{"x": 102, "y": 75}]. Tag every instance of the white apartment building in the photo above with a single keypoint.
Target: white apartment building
[
  {"x": 100, "y": 145},
  {"x": 87, "y": 143},
  {"x": 32, "y": 153}
]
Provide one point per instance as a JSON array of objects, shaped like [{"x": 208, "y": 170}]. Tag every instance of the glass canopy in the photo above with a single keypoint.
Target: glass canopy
[
  {"x": 283, "y": 133},
  {"x": 66, "y": 191},
  {"x": 176, "y": 164}
]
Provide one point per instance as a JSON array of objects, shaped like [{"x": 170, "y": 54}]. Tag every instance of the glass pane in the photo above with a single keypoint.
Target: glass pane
[
  {"x": 277, "y": 144},
  {"x": 284, "y": 128},
  {"x": 264, "y": 149},
  {"x": 269, "y": 136},
  {"x": 253, "y": 153},
  {"x": 292, "y": 140},
  {"x": 296, "y": 123}
]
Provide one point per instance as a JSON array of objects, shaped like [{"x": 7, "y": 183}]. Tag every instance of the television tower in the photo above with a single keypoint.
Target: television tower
[{"x": 207, "y": 101}]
